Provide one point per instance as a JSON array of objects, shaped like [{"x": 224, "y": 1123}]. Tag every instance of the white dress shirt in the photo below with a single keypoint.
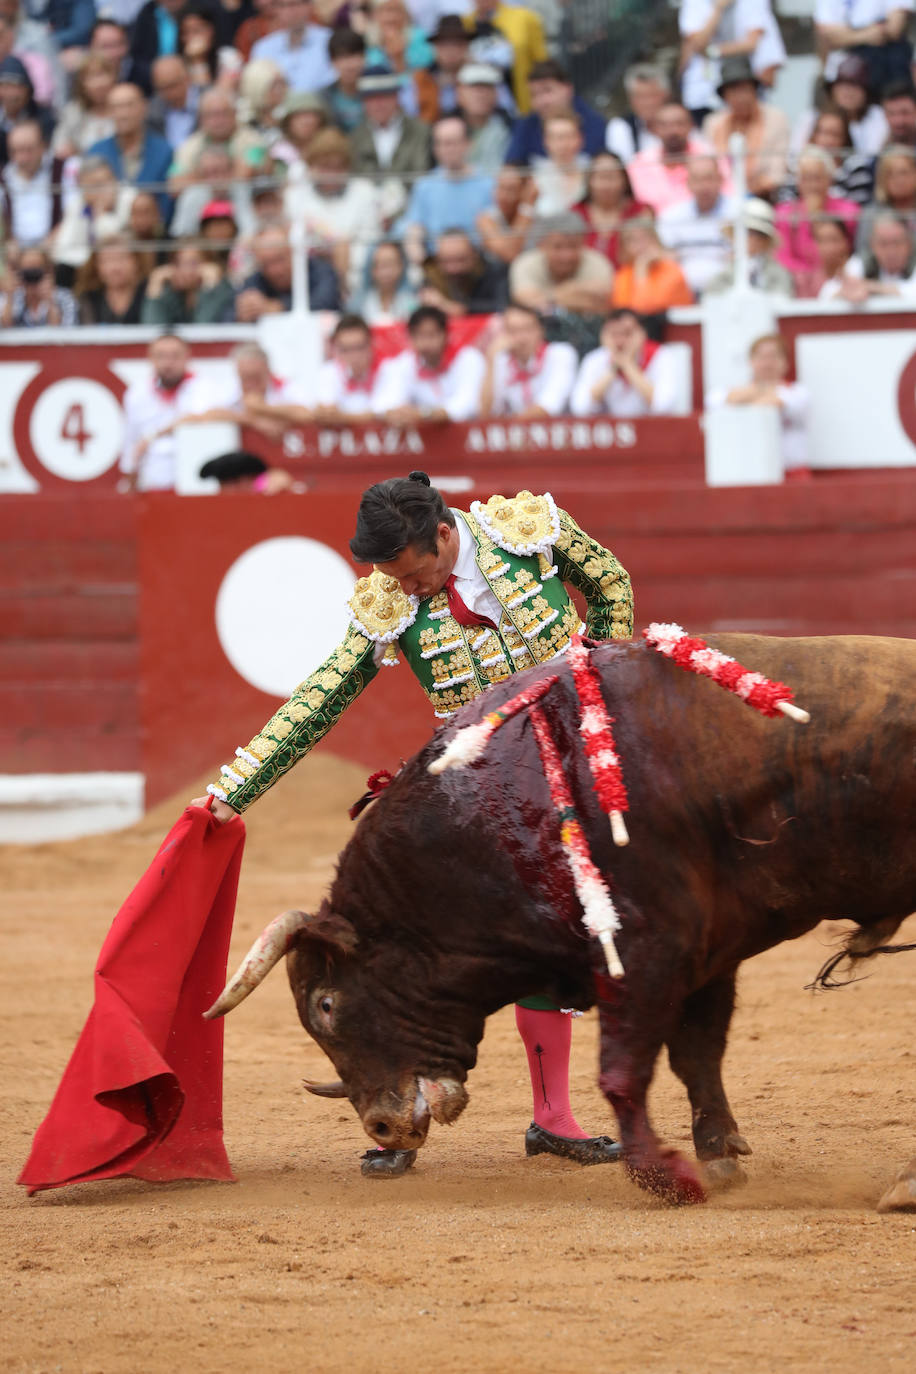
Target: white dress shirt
[
  {"x": 385, "y": 138},
  {"x": 620, "y": 398},
  {"x": 403, "y": 381},
  {"x": 280, "y": 392},
  {"x": 547, "y": 381},
  {"x": 148, "y": 409},
  {"x": 336, "y": 388}
]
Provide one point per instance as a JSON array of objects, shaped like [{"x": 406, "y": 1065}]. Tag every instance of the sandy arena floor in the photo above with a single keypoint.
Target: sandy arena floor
[{"x": 480, "y": 1260}]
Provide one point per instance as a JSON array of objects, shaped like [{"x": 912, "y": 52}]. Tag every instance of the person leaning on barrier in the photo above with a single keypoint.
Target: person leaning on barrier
[
  {"x": 430, "y": 382},
  {"x": 628, "y": 376},
  {"x": 526, "y": 377},
  {"x": 346, "y": 386}
]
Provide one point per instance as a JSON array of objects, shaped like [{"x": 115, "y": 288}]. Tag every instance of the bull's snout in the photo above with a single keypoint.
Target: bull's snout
[
  {"x": 402, "y": 1122},
  {"x": 397, "y": 1123}
]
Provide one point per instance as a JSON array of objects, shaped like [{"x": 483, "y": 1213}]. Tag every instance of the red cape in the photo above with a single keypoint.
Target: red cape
[{"x": 142, "y": 1094}]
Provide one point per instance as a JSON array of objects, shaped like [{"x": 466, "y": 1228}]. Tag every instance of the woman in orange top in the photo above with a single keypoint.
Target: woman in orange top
[{"x": 649, "y": 280}]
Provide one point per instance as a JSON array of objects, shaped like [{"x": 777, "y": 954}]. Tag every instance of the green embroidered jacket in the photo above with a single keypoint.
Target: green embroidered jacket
[{"x": 527, "y": 550}]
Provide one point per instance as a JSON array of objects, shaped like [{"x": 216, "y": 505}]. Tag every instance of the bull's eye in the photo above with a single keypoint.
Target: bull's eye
[{"x": 327, "y": 1005}]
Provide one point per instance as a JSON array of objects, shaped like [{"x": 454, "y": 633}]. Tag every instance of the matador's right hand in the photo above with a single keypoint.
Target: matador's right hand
[{"x": 220, "y": 809}]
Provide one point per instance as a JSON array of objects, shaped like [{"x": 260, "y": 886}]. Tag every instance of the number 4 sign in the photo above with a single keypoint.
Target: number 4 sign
[{"x": 76, "y": 429}]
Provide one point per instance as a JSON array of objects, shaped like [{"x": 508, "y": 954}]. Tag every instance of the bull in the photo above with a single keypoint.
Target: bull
[{"x": 453, "y": 898}]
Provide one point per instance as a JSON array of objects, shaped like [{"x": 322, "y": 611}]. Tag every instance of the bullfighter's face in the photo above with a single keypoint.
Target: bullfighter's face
[
  {"x": 420, "y": 572},
  {"x": 400, "y": 1062}
]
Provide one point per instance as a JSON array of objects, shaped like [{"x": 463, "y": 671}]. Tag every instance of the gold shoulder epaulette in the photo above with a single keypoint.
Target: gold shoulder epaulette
[
  {"x": 522, "y": 524},
  {"x": 379, "y": 609}
]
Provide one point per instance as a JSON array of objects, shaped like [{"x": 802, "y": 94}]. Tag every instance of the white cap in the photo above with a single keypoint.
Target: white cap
[{"x": 479, "y": 74}]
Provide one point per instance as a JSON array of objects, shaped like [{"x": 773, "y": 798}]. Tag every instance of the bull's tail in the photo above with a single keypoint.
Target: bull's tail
[{"x": 862, "y": 944}]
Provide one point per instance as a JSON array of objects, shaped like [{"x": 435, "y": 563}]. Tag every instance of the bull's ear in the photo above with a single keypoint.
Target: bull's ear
[{"x": 328, "y": 928}]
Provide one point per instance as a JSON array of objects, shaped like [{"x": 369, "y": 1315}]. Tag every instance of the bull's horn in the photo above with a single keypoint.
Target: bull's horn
[
  {"x": 325, "y": 1089},
  {"x": 267, "y": 950}
]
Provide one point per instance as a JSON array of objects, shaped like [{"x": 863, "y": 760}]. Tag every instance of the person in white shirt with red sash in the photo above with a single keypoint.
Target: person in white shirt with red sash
[
  {"x": 527, "y": 377},
  {"x": 151, "y": 408},
  {"x": 628, "y": 375},
  {"x": 346, "y": 383},
  {"x": 432, "y": 380}
]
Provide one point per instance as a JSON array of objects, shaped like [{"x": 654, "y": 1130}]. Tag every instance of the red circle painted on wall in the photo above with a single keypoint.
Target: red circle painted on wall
[
  {"x": 906, "y": 400},
  {"x": 67, "y": 426}
]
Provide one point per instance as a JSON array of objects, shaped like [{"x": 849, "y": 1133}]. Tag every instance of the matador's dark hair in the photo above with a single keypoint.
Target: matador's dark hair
[{"x": 394, "y": 514}]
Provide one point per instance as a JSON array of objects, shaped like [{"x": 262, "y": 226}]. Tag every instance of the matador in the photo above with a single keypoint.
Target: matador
[{"x": 465, "y": 599}]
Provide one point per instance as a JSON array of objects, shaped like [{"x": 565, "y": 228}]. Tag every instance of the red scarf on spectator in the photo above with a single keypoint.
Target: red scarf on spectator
[
  {"x": 523, "y": 375},
  {"x": 432, "y": 374}
]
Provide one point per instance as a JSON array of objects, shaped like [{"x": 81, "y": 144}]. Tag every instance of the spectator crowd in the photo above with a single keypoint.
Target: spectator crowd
[{"x": 155, "y": 156}]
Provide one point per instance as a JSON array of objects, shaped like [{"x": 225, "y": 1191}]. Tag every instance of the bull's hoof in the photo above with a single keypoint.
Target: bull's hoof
[
  {"x": 386, "y": 1163},
  {"x": 901, "y": 1196},
  {"x": 597, "y": 1149},
  {"x": 721, "y": 1174},
  {"x": 673, "y": 1180}
]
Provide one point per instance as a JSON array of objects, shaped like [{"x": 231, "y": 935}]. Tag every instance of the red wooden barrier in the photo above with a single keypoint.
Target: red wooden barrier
[{"x": 85, "y": 686}]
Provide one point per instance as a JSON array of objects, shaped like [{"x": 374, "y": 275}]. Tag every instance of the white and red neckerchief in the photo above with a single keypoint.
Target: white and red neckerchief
[
  {"x": 523, "y": 376},
  {"x": 351, "y": 383},
  {"x": 171, "y": 392},
  {"x": 435, "y": 374}
]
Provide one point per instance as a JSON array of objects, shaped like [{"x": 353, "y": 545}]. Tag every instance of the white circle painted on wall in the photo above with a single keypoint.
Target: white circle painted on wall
[
  {"x": 76, "y": 429},
  {"x": 281, "y": 609}
]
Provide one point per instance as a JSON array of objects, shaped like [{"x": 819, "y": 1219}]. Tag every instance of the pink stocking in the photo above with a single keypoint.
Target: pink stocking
[{"x": 546, "y": 1036}]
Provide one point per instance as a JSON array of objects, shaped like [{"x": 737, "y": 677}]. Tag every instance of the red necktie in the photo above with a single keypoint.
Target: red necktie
[{"x": 459, "y": 609}]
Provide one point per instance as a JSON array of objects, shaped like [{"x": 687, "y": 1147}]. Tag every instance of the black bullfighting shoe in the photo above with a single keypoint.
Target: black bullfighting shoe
[
  {"x": 387, "y": 1163},
  {"x": 596, "y": 1149}
]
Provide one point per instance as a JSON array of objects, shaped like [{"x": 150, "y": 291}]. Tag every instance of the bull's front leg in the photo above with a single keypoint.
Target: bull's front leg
[
  {"x": 695, "y": 1051},
  {"x": 632, "y": 1035}
]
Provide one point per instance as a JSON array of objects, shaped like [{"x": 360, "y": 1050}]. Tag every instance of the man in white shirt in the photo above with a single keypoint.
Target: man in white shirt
[
  {"x": 430, "y": 382},
  {"x": 627, "y": 376},
  {"x": 151, "y": 408},
  {"x": 299, "y": 47},
  {"x": 872, "y": 24},
  {"x": 346, "y": 383},
  {"x": 647, "y": 89},
  {"x": 527, "y": 377},
  {"x": 694, "y": 229}
]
